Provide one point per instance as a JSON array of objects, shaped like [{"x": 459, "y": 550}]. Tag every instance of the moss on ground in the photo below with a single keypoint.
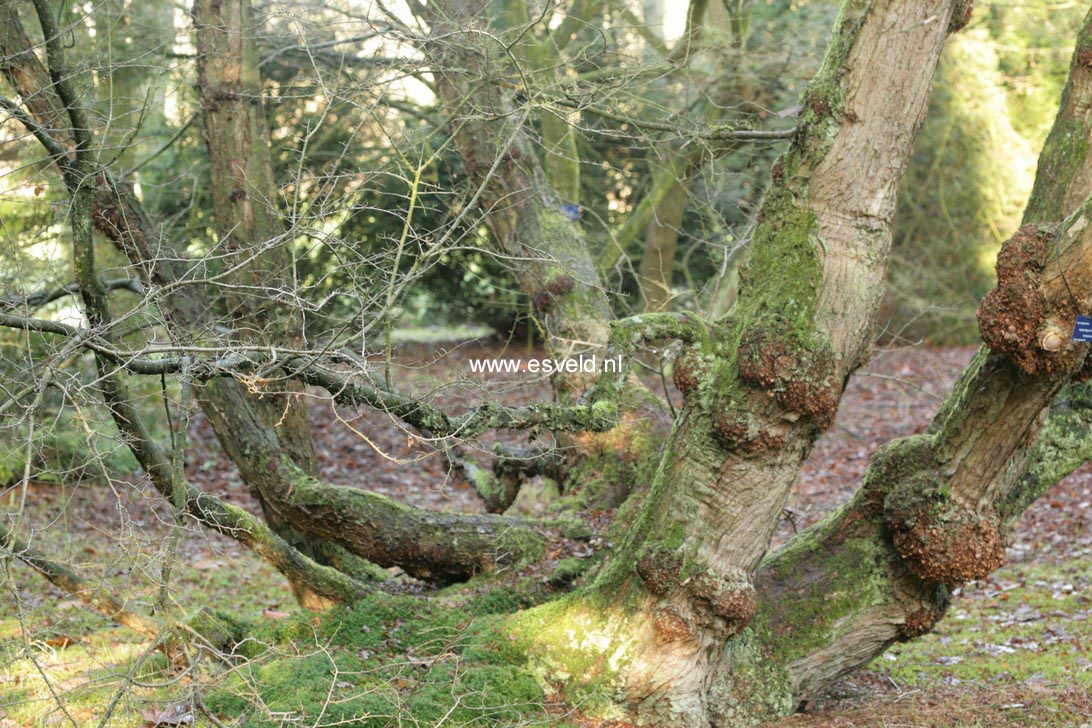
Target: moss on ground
[
  {"x": 462, "y": 656},
  {"x": 386, "y": 659},
  {"x": 402, "y": 659}
]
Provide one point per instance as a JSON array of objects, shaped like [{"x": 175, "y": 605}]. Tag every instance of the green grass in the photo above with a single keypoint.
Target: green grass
[
  {"x": 84, "y": 676},
  {"x": 39, "y": 672},
  {"x": 1031, "y": 623}
]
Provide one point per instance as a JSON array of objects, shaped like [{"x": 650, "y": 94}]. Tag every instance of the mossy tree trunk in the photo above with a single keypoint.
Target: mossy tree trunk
[
  {"x": 690, "y": 625},
  {"x": 935, "y": 507}
]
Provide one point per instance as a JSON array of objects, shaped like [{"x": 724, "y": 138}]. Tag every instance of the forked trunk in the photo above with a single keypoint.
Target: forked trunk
[{"x": 689, "y": 624}]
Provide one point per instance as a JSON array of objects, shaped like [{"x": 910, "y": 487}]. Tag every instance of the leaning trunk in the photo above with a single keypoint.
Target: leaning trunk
[{"x": 256, "y": 256}]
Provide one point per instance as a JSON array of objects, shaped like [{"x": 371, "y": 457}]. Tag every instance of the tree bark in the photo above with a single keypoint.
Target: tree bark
[
  {"x": 935, "y": 507},
  {"x": 257, "y": 262},
  {"x": 661, "y": 238},
  {"x": 762, "y": 385},
  {"x": 524, "y": 214}
]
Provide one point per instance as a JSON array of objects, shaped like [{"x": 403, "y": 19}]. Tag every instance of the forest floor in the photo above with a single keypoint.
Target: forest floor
[{"x": 1014, "y": 649}]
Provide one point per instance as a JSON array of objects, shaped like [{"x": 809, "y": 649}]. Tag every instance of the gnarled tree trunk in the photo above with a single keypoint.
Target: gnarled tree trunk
[{"x": 689, "y": 624}]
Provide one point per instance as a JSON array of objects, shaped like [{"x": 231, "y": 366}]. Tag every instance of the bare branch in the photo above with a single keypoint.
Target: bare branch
[
  {"x": 36, "y": 300},
  {"x": 93, "y": 595}
]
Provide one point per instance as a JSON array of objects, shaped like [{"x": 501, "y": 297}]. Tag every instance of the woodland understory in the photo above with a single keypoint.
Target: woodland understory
[{"x": 690, "y": 617}]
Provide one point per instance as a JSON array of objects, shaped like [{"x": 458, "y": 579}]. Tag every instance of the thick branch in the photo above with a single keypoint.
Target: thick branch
[
  {"x": 443, "y": 547},
  {"x": 1063, "y": 445},
  {"x": 326, "y": 582},
  {"x": 427, "y": 544}
]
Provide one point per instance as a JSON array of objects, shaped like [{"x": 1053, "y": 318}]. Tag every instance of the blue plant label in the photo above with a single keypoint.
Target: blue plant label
[
  {"x": 1083, "y": 330},
  {"x": 571, "y": 211}
]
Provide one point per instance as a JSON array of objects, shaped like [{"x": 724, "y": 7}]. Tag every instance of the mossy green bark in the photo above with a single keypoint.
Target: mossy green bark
[
  {"x": 832, "y": 585},
  {"x": 1064, "y": 444},
  {"x": 580, "y": 645}
]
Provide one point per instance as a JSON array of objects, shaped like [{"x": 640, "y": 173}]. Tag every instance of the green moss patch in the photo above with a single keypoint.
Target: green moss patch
[
  {"x": 840, "y": 584},
  {"x": 386, "y": 659}
]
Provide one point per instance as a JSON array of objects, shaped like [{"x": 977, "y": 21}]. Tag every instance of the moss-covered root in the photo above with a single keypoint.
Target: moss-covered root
[
  {"x": 213, "y": 631},
  {"x": 618, "y": 659},
  {"x": 832, "y": 600}
]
